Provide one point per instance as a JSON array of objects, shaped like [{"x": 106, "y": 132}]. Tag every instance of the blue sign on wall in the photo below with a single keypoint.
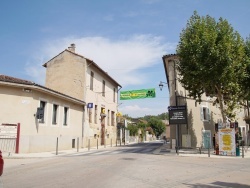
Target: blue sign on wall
[{"x": 90, "y": 105}]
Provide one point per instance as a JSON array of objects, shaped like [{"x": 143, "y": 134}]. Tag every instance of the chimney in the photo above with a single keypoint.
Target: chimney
[{"x": 72, "y": 48}]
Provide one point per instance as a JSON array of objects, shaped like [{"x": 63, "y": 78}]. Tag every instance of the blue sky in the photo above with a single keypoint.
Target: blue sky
[{"x": 126, "y": 38}]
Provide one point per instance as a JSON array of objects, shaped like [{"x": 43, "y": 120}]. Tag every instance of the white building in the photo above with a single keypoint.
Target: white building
[{"x": 62, "y": 121}]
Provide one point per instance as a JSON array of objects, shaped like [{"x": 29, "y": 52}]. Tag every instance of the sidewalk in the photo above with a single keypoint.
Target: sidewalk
[
  {"x": 51, "y": 153},
  {"x": 165, "y": 150},
  {"x": 59, "y": 153}
]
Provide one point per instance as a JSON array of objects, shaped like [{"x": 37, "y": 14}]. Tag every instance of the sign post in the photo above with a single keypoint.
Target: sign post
[{"x": 177, "y": 115}]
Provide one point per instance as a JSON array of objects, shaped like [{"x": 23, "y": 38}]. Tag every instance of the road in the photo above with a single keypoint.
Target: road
[{"x": 132, "y": 166}]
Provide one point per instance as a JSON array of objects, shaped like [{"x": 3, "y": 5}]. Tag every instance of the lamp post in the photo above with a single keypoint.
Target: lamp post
[{"x": 177, "y": 125}]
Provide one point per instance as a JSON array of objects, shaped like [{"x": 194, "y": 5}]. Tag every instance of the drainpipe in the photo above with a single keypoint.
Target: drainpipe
[{"x": 176, "y": 103}]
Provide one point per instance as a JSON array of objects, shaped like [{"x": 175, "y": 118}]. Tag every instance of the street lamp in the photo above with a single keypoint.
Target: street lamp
[
  {"x": 177, "y": 126},
  {"x": 161, "y": 85}
]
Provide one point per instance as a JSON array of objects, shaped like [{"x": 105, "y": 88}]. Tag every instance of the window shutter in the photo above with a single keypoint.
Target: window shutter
[
  {"x": 208, "y": 114},
  {"x": 201, "y": 113}
]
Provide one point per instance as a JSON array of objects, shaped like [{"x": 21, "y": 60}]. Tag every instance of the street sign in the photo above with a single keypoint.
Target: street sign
[
  {"x": 177, "y": 115},
  {"x": 90, "y": 105},
  {"x": 176, "y": 108},
  {"x": 137, "y": 94}
]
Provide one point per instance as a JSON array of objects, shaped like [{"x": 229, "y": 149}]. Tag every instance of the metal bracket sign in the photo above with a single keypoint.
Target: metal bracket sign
[{"x": 177, "y": 114}]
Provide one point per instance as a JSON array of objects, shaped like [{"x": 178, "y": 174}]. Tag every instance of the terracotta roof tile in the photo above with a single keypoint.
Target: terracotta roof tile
[{"x": 15, "y": 80}]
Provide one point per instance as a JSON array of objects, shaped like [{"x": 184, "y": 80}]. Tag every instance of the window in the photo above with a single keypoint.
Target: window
[
  {"x": 91, "y": 80},
  {"x": 103, "y": 88},
  {"x": 114, "y": 95},
  {"x": 54, "y": 115},
  {"x": 113, "y": 118},
  {"x": 65, "y": 115},
  {"x": 42, "y": 105},
  {"x": 95, "y": 113},
  {"x": 205, "y": 113},
  {"x": 108, "y": 117}
]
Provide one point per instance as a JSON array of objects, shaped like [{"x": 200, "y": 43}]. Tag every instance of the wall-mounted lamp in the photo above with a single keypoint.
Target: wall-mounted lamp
[
  {"x": 161, "y": 85},
  {"x": 27, "y": 90}
]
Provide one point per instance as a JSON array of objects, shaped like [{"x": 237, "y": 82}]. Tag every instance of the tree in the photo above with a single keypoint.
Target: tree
[
  {"x": 157, "y": 125},
  {"x": 142, "y": 126},
  {"x": 133, "y": 129},
  {"x": 246, "y": 81},
  {"x": 212, "y": 61}
]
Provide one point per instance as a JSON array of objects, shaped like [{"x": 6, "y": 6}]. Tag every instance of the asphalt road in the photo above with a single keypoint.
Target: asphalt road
[{"x": 133, "y": 166}]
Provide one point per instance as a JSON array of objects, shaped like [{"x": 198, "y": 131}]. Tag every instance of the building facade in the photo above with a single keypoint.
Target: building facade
[
  {"x": 60, "y": 126},
  {"x": 81, "y": 78},
  {"x": 201, "y": 117}
]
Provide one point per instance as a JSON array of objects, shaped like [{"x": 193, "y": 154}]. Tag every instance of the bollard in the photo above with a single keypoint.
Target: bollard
[
  {"x": 97, "y": 143},
  {"x": 116, "y": 142},
  {"x": 57, "y": 146},
  {"x": 89, "y": 144},
  {"x": 111, "y": 142},
  {"x": 208, "y": 149},
  {"x": 105, "y": 143},
  {"x": 77, "y": 144},
  {"x": 242, "y": 150},
  {"x": 120, "y": 142}
]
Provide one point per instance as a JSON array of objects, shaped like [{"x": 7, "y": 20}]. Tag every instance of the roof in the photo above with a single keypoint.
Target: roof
[
  {"x": 170, "y": 57},
  {"x": 89, "y": 60},
  {"x": 5, "y": 78},
  {"x": 33, "y": 85}
]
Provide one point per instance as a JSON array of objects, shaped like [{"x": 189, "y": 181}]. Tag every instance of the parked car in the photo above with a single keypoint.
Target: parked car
[{"x": 1, "y": 163}]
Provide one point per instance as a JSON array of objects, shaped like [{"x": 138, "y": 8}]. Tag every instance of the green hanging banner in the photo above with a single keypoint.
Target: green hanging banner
[{"x": 137, "y": 94}]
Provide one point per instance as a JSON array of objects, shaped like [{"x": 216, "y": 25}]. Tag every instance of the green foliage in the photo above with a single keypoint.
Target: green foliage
[
  {"x": 157, "y": 125},
  {"x": 133, "y": 129},
  {"x": 126, "y": 116},
  {"x": 246, "y": 81},
  {"x": 212, "y": 60},
  {"x": 162, "y": 116}
]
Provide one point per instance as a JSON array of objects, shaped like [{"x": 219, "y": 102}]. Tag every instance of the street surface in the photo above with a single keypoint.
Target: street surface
[{"x": 132, "y": 166}]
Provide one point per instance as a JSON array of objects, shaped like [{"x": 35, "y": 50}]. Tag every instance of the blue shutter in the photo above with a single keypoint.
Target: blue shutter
[
  {"x": 208, "y": 114},
  {"x": 201, "y": 113}
]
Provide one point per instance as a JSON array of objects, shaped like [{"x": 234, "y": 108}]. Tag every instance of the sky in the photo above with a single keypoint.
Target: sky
[{"x": 126, "y": 38}]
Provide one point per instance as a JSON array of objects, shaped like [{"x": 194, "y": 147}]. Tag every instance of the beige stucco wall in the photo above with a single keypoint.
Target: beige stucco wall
[
  {"x": 19, "y": 106},
  {"x": 95, "y": 96},
  {"x": 66, "y": 73},
  {"x": 70, "y": 74}
]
